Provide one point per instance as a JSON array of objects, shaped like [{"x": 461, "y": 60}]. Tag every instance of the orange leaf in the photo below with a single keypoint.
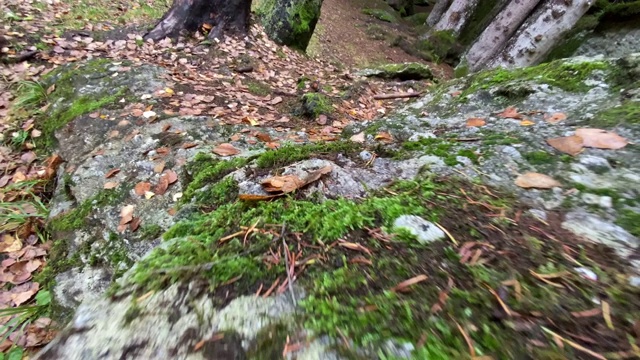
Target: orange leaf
[
  {"x": 403, "y": 286},
  {"x": 141, "y": 188},
  {"x": 110, "y": 185},
  {"x": 536, "y": 180},
  {"x": 111, "y": 173},
  {"x": 476, "y": 122},
  {"x": 526, "y": 122},
  {"x": 173, "y": 177},
  {"x": 161, "y": 187},
  {"x": 354, "y": 246},
  {"x": 511, "y": 113},
  {"x": 135, "y": 224},
  {"x": 226, "y": 149},
  {"x": 571, "y": 145}
]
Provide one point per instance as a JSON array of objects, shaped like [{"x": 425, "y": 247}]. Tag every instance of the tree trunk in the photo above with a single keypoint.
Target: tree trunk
[
  {"x": 537, "y": 36},
  {"x": 220, "y": 16},
  {"x": 456, "y": 17},
  {"x": 438, "y": 10},
  {"x": 494, "y": 38}
]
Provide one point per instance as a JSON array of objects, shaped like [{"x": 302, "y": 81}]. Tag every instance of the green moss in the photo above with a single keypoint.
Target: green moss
[
  {"x": 630, "y": 220},
  {"x": 258, "y": 88},
  {"x": 380, "y": 14},
  {"x": 269, "y": 343},
  {"x": 76, "y": 218},
  {"x": 291, "y": 153},
  {"x": 439, "y": 45},
  {"x": 315, "y": 104},
  {"x": 538, "y": 157},
  {"x": 628, "y": 113},
  {"x": 291, "y": 25},
  {"x": 417, "y": 19},
  {"x": 207, "y": 171},
  {"x": 150, "y": 232},
  {"x": 565, "y": 75},
  {"x": 402, "y": 71}
]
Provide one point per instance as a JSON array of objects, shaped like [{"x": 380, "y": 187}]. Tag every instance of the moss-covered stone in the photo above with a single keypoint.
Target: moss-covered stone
[
  {"x": 290, "y": 22},
  {"x": 404, "y": 71},
  {"x": 380, "y": 14},
  {"x": 628, "y": 113},
  {"x": 315, "y": 104}
]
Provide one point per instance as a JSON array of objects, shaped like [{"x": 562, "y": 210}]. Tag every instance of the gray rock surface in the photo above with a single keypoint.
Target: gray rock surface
[{"x": 424, "y": 230}]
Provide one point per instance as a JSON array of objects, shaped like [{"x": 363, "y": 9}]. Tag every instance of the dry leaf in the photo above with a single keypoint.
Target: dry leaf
[
  {"x": 159, "y": 167},
  {"x": 476, "y": 122},
  {"x": 126, "y": 214},
  {"x": 277, "y": 100},
  {"x": 536, "y": 180},
  {"x": 571, "y": 145},
  {"x": 173, "y": 177},
  {"x": 141, "y": 188},
  {"x": 189, "y": 145},
  {"x": 384, "y": 136},
  {"x": 403, "y": 286},
  {"x": 162, "y": 186},
  {"x": 110, "y": 185},
  {"x": 511, "y": 113},
  {"x": 284, "y": 184},
  {"x": 527, "y": 122},
  {"x": 135, "y": 224},
  {"x": 226, "y": 149},
  {"x": 10, "y": 243},
  {"x": 601, "y": 139},
  {"x": 354, "y": 246},
  {"x": 263, "y": 137},
  {"x": 111, "y": 173},
  {"x": 255, "y": 197},
  {"x": 555, "y": 118}
]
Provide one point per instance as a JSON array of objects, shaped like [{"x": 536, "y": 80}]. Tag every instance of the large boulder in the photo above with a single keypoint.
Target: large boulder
[{"x": 290, "y": 22}]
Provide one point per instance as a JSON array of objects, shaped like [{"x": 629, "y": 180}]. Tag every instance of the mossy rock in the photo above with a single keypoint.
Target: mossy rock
[
  {"x": 404, "y": 71},
  {"x": 314, "y": 105},
  {"x": 290, "y": 22},
  {"x": 381, "y": 15}
]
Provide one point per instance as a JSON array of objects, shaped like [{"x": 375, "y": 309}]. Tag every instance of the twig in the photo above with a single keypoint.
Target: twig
[
  {"x": 574, "y": 345},
  {"x": 286, "y": 262},
  {"x": 396, "y": 96},
  {"x": 453, "y": 240}
]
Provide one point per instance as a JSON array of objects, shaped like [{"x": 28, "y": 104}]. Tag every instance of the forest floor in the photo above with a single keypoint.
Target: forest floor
[{"x": 39, "y": 36}]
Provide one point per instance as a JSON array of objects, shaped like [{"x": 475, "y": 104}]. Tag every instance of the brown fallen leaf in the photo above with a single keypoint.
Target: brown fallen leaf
[
  {"x": 404, "y": 286},
  {"x": 358, "y": 138},
  {"x": 277, "y": 100},
  {"x": 601, "y": 139},
  {"x": 284, "y": 184},
  {"x": 135, "y": 224},
  {"x": 173, "y": 177},
  {"x": 384, "y": 137},
  {"x": 476, "y": 122},
  {"x": 511, "y": 113},
  {"x": 111, "y": 173},
  {"x": 263, "y": 137},
  {"x": 354, "y": 246},
  {"x": 141, "y": 188},
  {"x": 110, "y": 185},
  {"x": 189, "y": 145},
  {"x": 226, "y": 149},
  {"x": 536, "y": 180},
  {"x": 126, "y": 214},
  {"x": 159, "y": 167},
  {"x": 555, "y": 118},
  {"x": 10, "y": 243},
  {"x": 571, "y": 145},
  {"x": 162, "y": 186}
]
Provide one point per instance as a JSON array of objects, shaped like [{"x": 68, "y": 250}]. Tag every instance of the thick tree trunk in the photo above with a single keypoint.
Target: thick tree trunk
[
  {"x": 457, "y": 16},
  {"x": 438, "y": 10},
  {"x": 494, "y": 38},
  {"x": 537, "y": 36},
  {"x": 220, "y": 16}
]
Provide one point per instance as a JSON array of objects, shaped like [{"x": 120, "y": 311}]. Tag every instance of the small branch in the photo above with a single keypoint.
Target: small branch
[
  {"x": 396, "y": 96},
  {"x": 286, "y": 263},
  {"x": 20, "y": 58}
]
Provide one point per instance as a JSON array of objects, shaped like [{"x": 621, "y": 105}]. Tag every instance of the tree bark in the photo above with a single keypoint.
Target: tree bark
[
  {"x": 438, "y": 10},
  {"x": 494, "y": 38},
  {"x": 456, "y": 17},
  {"x": 537, "y": 36},
  {"x": 221, "y": 16}
]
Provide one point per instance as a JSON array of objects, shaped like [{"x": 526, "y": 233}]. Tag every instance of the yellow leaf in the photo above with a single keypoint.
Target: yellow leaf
[{"x": 526, "y": 122}]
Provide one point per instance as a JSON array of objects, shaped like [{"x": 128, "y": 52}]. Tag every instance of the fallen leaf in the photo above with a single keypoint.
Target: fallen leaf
[
  {"x": 476, "y": 122},
  {"x": 263, "y": 137},
  {"x": 135, "y": 224},
  {"x": 511, "y": 113},
  {"x": 226, "y": 149},
  {"x": 354, "y": 246},
  {"x": 536, "y": 180},
  {"x": 189, "y": 145},
  {"x": 126, "y": 214},
  {"x": 149, "y": 114},
  {"x": 555, "y": 118},
  {"x": 251, "y": 121},
  {"x": 10, "y": 243},
  {"x": 173, "y": 177},
  {"x": 141, "y": 188},
  {"x": 384, "y": 136},
  {"x": 403, "y": 286},
  {"x": 571, "y": 145},
  {"x": 28, "y": 157},
  {"x": 284, "y": 184},
  {"x": 527, "y": 122},
  {"x": 601, "y": 139},
  {"x": 322, "y": 119},
  {"x": 159, "y": 167},
  {"x": 162, "y": 186},
  {"x": 277, "y": 100},
  {"x": 111, "y": 173},
  {"x": 110, "y": 185},
  {"x": 606, "y": 314}
]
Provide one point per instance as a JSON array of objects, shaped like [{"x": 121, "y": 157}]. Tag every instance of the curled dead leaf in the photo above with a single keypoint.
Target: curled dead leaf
[
  {"x": 111, "y": 173},
  {"x": 404, "y": 286},
  {"x": 601, "y": 139},
  {"x": 110, "y": 185},
  {"x": 141, "y": 188},
  {"x": 226, "y": 149},
  {"x": 536, "y": 180},
  {"x": 510, "y": 113},
  {"x": 126, "y": 214},
  {"x": 571, "y": 145},
  {"x": 476, "y": 122}
]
